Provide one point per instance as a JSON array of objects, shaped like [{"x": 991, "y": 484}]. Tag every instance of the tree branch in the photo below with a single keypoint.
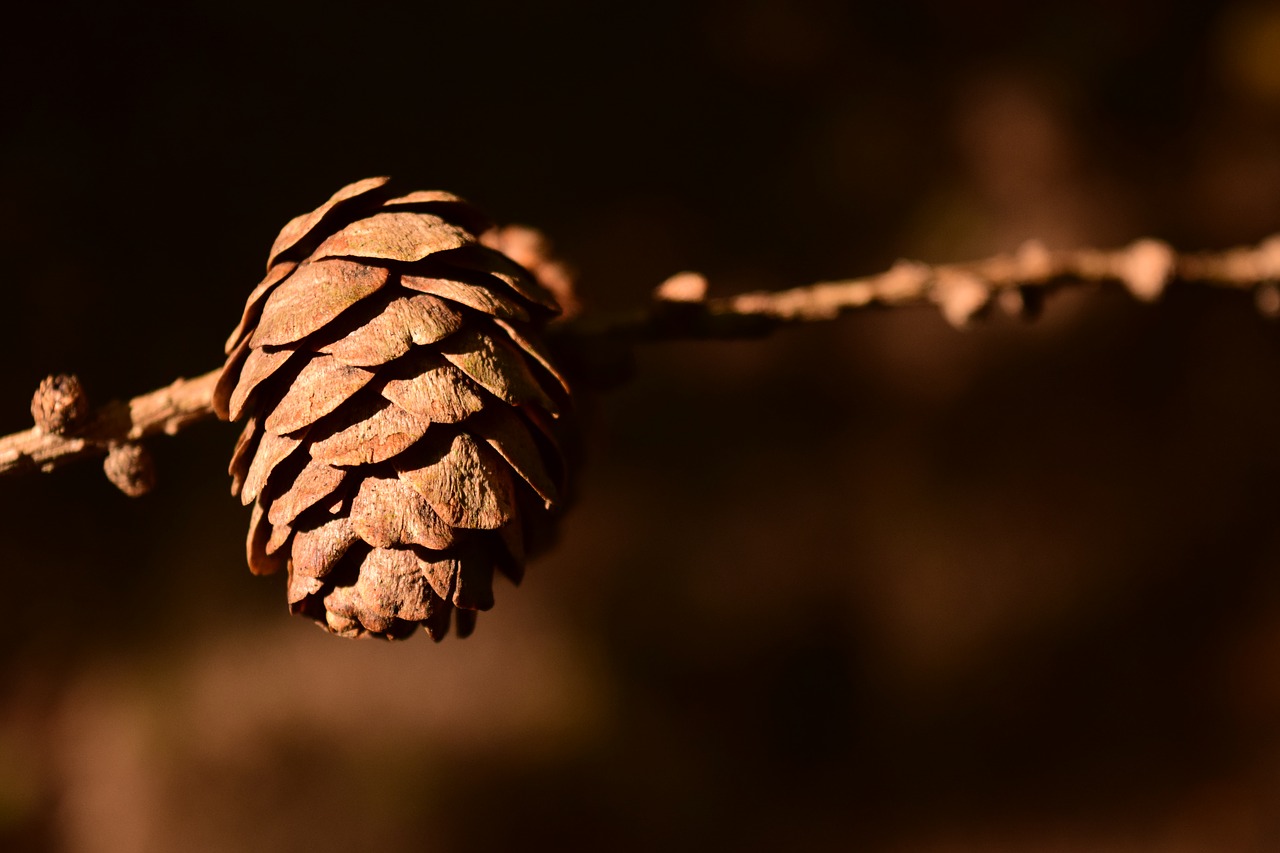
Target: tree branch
[
  {"x": 961, "y": 290},
  {"x": 681, "y": 311},
  {"x": 168, "y": 410}
]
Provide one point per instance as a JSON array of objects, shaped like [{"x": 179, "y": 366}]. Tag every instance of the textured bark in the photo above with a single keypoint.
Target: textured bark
[
  {"x": 166, "y": 411},
  {"x": 1146, "y": 268}
]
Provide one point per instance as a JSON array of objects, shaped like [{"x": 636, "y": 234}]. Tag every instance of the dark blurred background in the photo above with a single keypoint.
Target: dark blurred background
[{"x": 880, "y": 585}]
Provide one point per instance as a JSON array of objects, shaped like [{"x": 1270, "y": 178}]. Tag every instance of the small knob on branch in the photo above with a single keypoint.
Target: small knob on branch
[
  {"x": 131, "y": 468},
  {"x": 684, "y": 287},
  {"x": 60, "y": 404}
]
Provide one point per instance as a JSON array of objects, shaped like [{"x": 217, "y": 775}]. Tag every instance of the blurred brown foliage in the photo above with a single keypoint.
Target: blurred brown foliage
[{"x": 876, "y": 586}]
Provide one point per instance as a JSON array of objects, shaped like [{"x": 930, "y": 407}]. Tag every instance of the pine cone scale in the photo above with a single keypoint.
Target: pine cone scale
[
  {"x": 440, "y": 575},
  {"x": 391, "y": 585},
  {"x": 246, "y": 444},
  {"x": 387, "y": 512},
  {"x": 316, "y": 551},
  {"x": 506, "y": 434},
  {"x": 495, "y": 366},
  {"x": 403, "y": 237},
  {"x": 323, "y": 385},
  {"x": 466, "y": 486},
  {"x": 272, "y": 450},
  {"x": 260, "y": 531},
  {"x": 258, "y": 367},
  {"x": 473, "y": 587},
  {"x": 535, "y": 350},
  {"x": 253, "y": 307},
  {"x": 486, "y": 260},
  {"x": 384, "y": 430},
  {"x": 313, "y": 297},
  {"x": 405, "y": 322},
  {"x": 316, "y": 481},
  {"x": 437, "y": 391},
  {"x": 486, "y": 300},
  {"x": 300, "y": 227}
]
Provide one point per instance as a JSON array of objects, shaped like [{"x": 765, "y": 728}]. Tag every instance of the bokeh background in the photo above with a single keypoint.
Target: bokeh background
[{"x": 879, "y": 585}]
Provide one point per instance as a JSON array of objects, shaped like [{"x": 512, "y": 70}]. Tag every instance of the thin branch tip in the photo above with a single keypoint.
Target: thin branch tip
[{"x": 961, "y": 291}]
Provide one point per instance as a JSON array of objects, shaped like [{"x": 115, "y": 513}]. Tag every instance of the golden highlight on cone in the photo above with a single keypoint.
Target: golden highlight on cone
[{"x": 400, "y": 440}]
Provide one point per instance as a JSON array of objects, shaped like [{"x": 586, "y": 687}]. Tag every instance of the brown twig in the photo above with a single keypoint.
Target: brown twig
[
  {"x": 681, "y": 311},
  {"x": 960, "y": 290},
  {"x": 168, "y": 410}
]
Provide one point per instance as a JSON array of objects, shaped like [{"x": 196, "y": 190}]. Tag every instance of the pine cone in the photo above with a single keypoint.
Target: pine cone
[{"x": 399, "y": 444}]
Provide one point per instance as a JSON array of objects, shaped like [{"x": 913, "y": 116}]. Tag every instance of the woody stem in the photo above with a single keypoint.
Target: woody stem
[
  {"x": 680, "y": 311},
  {"x": 166, "y": 411}
]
